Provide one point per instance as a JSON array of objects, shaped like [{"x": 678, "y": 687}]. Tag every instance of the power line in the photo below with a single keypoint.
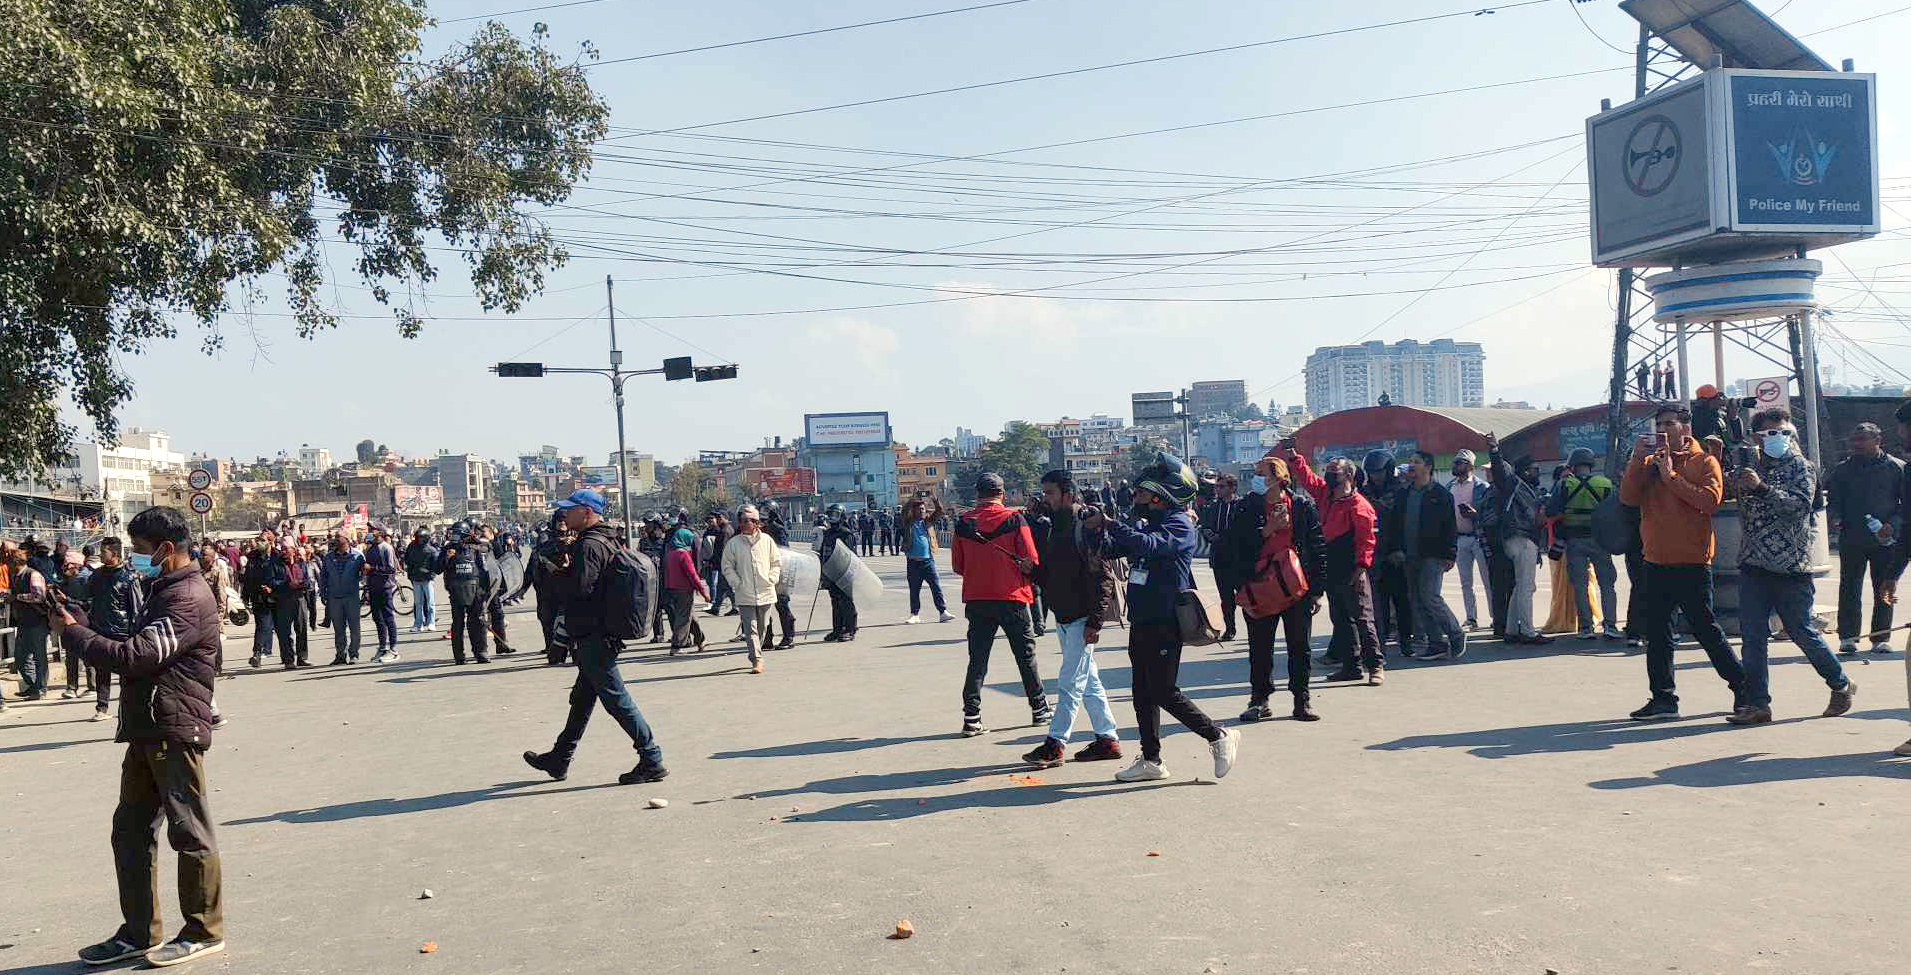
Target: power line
[
  {"x": 1862, "y": 20},
  {"x": 520, "y": 10},
  {"x": 1080, "y": 71},
  {"x": 1573, "y": 5},
  {"x": 803, "y": 33}
]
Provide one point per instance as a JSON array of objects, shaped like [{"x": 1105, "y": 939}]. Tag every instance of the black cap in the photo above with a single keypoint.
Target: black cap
[{"x": 989, "y": 484}]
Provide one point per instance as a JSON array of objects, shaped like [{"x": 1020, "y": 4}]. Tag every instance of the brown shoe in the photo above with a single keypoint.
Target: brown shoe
[
  {"x": 757, "y": 667},
  {"x": 1750, "y": 715},
  {"x": 1376, "y": 677},
  {"x": 1841, "y": 700}
]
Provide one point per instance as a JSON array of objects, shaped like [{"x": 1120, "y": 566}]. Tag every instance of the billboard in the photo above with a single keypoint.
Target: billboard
[
  {"x": 846, "y": 429},
  {"x": 418, "y": 500},
  {"x": 783, "y": 481},
  {"x": 1735, "y": 163}
]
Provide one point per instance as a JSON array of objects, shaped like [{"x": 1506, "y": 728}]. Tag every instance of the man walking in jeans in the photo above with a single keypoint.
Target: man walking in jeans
[
  {"x": 1075, "y": 578},
  {"x": 1677, "y": 486},
  {"x": 995, "y": 556},
  {"x": 1775, "y": 501},
  {"x": 1422, "y": 537},
  {"x": 1467, "y": 550},
  {"x": 581, "y": 588},
  {"x": 1862, "y": 491}
]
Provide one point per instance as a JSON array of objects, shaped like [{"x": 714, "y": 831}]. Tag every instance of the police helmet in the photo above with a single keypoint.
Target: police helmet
[
  {"x": 833, "y": 514},
  {"x": 1377, "y": 461},
  {"x": 1583, "y": 455}
]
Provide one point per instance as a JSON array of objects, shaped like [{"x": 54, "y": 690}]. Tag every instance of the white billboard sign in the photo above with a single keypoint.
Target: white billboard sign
[{"x": 846, "y": 429}]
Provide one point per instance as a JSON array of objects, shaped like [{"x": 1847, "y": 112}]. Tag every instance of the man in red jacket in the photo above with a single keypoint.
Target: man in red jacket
[
  {"x": 1348, "y": 525},
  {"x": 995, "y": 556},
  {"x": 166, "y": 720}
]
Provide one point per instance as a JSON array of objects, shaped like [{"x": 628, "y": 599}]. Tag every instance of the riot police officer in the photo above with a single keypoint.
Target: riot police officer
[
  {"x": 466, "y": 570},
  {"x": 838, "y": 530},
  {"x": 779, "y": 532},
  {"x": 651, "y": 543}
]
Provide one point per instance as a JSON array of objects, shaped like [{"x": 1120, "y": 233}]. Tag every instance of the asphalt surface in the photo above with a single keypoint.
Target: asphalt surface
[{"x": 1497, "y": 814}]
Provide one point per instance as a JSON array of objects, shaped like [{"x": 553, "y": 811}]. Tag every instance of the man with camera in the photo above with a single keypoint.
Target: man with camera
[
  {"x": 1677, "y": 486},
  {"x": 1775, "y": 562}
]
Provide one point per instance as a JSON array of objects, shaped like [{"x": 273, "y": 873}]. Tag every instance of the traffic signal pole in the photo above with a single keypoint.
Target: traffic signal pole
[{"x": 673, "y": 369}]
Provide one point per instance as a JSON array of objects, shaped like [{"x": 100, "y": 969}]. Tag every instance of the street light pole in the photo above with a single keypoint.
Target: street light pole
[{"x": 617, "y": 391}]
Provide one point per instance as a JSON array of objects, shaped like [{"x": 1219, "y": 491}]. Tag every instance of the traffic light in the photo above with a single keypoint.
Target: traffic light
[
  {"x": 678, "y": 368},
  {"x": 711, "y": 373},
  {"x": 521, "y": 370}
]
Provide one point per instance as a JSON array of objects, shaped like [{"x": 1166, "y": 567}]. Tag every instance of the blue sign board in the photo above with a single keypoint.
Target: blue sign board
[
  {"x": 1591, "y": 435},
  {"x": 1802, "y": 152}
]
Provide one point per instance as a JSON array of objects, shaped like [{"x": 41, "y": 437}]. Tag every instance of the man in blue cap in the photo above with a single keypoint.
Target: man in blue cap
[{"x": 580, "y": 587}]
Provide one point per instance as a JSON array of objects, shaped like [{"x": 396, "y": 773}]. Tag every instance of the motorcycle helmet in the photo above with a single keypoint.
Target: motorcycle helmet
[{"x": 1169, "y": 478}]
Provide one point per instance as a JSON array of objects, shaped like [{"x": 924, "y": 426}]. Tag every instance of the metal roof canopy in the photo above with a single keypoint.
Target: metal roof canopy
[{"x": 1730, "y": 30}]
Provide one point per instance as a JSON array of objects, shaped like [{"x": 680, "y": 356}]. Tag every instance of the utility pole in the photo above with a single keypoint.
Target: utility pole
[{"x": 617, "y": 391}]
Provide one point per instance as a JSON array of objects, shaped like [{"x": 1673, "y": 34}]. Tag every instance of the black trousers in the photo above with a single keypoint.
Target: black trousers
[
  {"x": 494, "y": 610},
  {"x": 1852, "y": 563},
  {"x": 1351, "y": 607},
  {"x": 467, "y": 621},
  {"x": 682, "y": 606},
  {"x": 1260, "y": 652},
  {"x": 1227, "y": 581},
  {"x": 1393, "y": 603},
  {"x": 1687, "y": 588},
  {"x": 784, "y": 614},
  {"x": 1637, "y": 582},
  {"x": 1499, "y": 571},
  {"x": 1154, "y": 667},
  {"x": 842, "y": 610},
  {"x": 869, "y": 541},
  {"x": 1012, "y": 618}
]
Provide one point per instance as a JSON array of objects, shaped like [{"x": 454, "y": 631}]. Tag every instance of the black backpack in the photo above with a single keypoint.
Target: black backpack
[
  {"x": 1615, "y": 526},
  {"x": 630, "y": 595}
]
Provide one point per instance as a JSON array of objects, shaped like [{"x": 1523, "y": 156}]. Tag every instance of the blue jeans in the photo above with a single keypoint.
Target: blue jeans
[
  {"x": 719, "y": 587},
  {"x": 921, "y": 571},
  {"x": 1430, "y": 610},
  {"x": 1079, "y": 684},
  {"x": 1759, "y": 595},
  {"x": 599, "y": 682},
  {"x": 423, "y": 613}
]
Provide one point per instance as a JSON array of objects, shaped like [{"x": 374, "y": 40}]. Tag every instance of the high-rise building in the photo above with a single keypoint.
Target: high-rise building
[
  {"x": 1216, "y": 398},
  {"x": 466, "y": 480},
  {"x": 314, "y": 461},
  {"x": 1437, "y": 373}
]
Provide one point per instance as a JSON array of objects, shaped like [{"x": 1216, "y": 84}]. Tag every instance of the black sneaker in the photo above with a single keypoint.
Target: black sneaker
[
  {"x": 643, "y": 772},
  {"x": 849, "y": 636},
  {"x": 972, "y": 726},
  {"x": 112, "y": 950},
  {"x": 543, "y": 764},
  {"x": 1303, "y": 712},
  {"x": 1657, "y": 710},
  {"x": 833, "y": 637},
  {"x": 1046, "y": 755},
  {"x": 1257, "y": 712},
  {"x": 1042, "y": 717}
]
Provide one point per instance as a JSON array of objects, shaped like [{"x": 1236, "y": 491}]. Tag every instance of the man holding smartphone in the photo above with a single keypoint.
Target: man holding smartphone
[{"x": 1677, "y": 486}]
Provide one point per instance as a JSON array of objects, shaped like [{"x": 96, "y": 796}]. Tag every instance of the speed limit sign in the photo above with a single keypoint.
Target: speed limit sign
[
  {"x": 201, "y": 503},
  {"x": 1771, "y": 393},
  {"x": 199, "y": 480}
]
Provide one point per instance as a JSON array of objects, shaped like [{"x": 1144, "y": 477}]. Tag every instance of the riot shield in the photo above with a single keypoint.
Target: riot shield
[
  {"x": 847, "y": 572},
  {"x": 802, "y": 573}
]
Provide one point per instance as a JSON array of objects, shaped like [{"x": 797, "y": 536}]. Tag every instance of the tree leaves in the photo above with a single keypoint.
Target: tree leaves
[{"x": 164, "y": 155}]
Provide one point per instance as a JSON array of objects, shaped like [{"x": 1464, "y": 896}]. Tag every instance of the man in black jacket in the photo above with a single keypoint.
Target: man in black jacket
[
  {"x": 1217, "y": 521},
  {"x": 421, "y": 565},
  {"x": 114, "y": 603},
  {"x": 1865, "y": 487},
  {"x": 1419, "y": 535},
  {"x": 167, "y": 665},
  {"x": 1393, "y": 598},
  {"x": 581, "y": 588},
  {"x": 1074, "y": 573},
  {"x": 1244, "y": 543}
]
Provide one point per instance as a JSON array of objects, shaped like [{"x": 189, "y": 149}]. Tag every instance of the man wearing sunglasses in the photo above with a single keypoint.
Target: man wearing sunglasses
[
  {"x": 1677, "y": 486},
  {"x": 752, "y": 565},
  {"x": 1775, "y": 564}
]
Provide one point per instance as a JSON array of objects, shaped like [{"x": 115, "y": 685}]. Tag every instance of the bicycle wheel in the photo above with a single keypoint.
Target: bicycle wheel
[
  {"x": 401, "y": 599},
  {"x": 364, "y": 604}
]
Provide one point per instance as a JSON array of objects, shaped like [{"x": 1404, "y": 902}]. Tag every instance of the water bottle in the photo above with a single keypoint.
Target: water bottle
[{"x": 1872, "y": 522}]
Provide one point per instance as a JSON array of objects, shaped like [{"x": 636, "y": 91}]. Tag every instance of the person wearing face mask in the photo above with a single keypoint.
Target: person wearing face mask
[
  {"x": 1217, "y": 519},
  {"x": 338, "y": 581},
  {"x": 1677, "y": 487},
  {"x": 114, "y": 600},
  {"x": 286, "y": 577},
  {"x": 258, "y": 596},
  {"x": 1518, "y": 495},
  {"x": 167, "y": 666},
  {"x": 1349, "y": 531},
  {"x": 1421, "y": 538},
  {"x": 1160, "y": 545},
  {"x": 1470, "y": 555},
  {"x": 1393, "y": 605},
  {"x": 1775, "y": 565},
  {"x": 1581, "y": 491},
  {"x": 1276, "y": 537}
]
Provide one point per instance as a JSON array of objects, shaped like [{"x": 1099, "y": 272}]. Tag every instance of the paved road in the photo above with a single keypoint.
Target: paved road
[{"x": 1493, "y": 815}]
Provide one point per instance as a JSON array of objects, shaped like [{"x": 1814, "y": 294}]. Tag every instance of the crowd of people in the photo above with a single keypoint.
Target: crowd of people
[{"x": 1372, "y": 541}]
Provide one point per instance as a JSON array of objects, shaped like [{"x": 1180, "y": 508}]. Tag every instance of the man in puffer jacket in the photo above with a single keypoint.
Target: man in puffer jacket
[
  {"x": 995, "y": 555},
  {"x": 752, "y": 565},
  {"x": 166, "y": 721}
]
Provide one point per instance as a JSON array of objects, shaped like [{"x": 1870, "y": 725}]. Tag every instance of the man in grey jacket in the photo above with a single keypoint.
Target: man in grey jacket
[
  {"x": 1775, "y": 502},
  {"x": 1862, "y": 491}
]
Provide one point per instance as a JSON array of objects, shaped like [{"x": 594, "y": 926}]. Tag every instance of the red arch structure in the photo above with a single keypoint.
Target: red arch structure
[{"x": 1404, "y": 429}]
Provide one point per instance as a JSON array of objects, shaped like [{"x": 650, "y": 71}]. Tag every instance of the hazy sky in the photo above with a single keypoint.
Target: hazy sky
[{"x": 1213, "y": 216}]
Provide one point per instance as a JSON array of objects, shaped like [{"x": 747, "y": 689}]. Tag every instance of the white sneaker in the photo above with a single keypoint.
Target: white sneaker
[
  {"x": 1224, "y": 749},
  {"x": 391, "y": 657},
  {"x": 946, "y": 616},
  {"x": 1848, "y": 646},
  {"x": 1142, "y": 771},
  {"x": 1881, "y": 647},
  {"x": 913, "y": 619}
]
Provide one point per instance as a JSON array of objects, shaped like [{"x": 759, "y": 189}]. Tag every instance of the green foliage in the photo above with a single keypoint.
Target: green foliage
[
  {"x": 695, "y": 489},
  {"x": 1249, "y": 411},
  {"x": 1139, "y": 456},
  {"x": 162, "y": 155},
  {"x": 367, "y": 452},
  {"x": 1019, "y": 455}
]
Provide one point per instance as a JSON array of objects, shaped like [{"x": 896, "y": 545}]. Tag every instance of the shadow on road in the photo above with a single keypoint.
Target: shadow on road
[
  {"x": 830, "y": 746},
  {"x": 1754, "y": 768},
  {"x": 393, "y": 807},
  {"x": 44, "y": 746},
  {"x": 1008, "y": 797},
  {"x": 887, "y": 781}
]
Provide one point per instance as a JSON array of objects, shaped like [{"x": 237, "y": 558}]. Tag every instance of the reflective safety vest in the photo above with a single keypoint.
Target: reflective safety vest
[{"x": 1581, "y": 498}]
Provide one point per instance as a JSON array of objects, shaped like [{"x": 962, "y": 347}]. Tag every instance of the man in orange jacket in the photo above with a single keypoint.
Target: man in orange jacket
[
  {"x": 995, "y": 556},
  {"x": 1677, "y": 486}
]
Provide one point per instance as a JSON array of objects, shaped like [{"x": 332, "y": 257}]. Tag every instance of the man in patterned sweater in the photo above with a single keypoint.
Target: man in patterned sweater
[{"x": 1775, "y": 500}]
